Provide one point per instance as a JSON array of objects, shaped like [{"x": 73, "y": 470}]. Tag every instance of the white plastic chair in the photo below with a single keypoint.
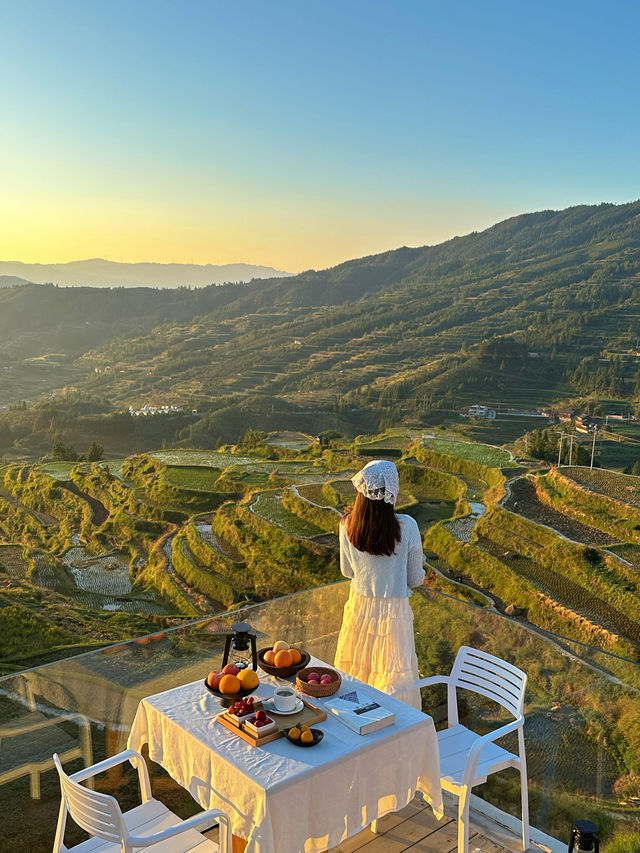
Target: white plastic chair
[
  {"x": 151, "y": 825},
  {"x": 466, "y": 758}
]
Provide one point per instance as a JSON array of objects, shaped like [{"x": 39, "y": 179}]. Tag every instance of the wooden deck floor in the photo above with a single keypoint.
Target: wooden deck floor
[{"x": 414, "y": 829}]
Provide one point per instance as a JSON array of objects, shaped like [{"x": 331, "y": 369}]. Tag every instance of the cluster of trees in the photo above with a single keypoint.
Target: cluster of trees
[
  {"x": 544, "y": 444},
  {"x": 66, "y": 453}
]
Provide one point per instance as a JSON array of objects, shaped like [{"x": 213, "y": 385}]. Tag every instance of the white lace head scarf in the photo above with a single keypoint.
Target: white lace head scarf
[{"x": 378, "y": 481}]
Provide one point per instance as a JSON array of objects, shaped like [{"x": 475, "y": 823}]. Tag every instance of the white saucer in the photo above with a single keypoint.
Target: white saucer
[{"x": 268, "y": 705}]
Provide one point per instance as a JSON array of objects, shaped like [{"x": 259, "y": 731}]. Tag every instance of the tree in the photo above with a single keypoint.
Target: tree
[
  {"x": 62, "y": 452},
  {"x": 95, "y": 452}
]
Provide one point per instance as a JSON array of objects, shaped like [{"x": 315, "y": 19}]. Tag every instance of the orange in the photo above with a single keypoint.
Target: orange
[
  {"x": 283, "y": 659},
  {"x": 280, "y": 646},
  {"x": 269, "y": 657},
  {"x": 229, "y": 684},
  {"x": 295, "y": 733},
  {"x": 296, "y": 657},
  {"x": 306, "y": 736},
  {"x": 248, "y": 678}
]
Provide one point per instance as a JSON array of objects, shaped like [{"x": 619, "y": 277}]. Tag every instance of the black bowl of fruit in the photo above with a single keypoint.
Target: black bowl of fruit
[
  {"x": 303, "y": 735},
  {"x": 231, "y": 683}
]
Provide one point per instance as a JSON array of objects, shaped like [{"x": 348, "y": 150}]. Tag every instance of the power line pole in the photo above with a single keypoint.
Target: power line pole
[
  {"x": 593, "y": 446},
  {"x": 570, "y": 449},
  {"x": 562, "y": 435}
]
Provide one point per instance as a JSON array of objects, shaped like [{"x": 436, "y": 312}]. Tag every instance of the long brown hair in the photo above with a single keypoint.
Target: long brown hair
[{"x": 372, "y": 526}]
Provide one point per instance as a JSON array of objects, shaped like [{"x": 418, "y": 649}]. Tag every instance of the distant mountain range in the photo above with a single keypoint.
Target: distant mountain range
[
  {"x": 540, "y": 308},
  {"x": 12, "y": 281},
  {"x": 97, "y": 272}
]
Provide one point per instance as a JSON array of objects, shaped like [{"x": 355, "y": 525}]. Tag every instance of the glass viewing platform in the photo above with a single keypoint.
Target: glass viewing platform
[{"x": 582, "y": 728}]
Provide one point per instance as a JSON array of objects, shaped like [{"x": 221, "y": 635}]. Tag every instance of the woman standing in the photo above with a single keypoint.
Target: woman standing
[{"x": 382, "y": 554}]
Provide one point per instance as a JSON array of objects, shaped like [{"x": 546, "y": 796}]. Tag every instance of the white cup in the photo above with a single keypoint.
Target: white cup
[{"x": 284, "y": 698}]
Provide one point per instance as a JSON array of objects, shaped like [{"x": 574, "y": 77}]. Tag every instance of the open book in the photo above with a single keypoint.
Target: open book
[{"x": 360, "y": 711}]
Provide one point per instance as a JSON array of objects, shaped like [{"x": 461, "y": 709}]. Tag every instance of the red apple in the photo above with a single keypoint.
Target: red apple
[
  {"x": 213, "y": 679},
  {"x": 313, "y": 676},
  {"x": 326, "y": 679},
  {"x": 230, "y": 669},
  {"x": 260, "y": 715}
]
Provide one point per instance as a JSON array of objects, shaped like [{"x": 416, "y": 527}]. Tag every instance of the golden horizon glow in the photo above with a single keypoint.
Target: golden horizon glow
[{"x": 295, "y": 240}]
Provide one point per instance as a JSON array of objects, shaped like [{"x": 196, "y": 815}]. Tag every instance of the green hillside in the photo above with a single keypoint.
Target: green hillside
[{"x": 538, "y": 310}]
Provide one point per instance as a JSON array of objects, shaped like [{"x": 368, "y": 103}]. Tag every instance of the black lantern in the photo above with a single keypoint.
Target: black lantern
[
  {"x": 584, "y": 838},
  {"x": 240, "y": 647}
]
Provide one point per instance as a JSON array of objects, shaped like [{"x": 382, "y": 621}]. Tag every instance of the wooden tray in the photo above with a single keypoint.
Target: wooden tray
[{"x": 309, "y": 715}]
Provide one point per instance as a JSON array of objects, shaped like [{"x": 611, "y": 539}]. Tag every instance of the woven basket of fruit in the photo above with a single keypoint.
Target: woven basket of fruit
[
  {"x": 318, "y": 681},
  {"x": 282, "y": 660}
]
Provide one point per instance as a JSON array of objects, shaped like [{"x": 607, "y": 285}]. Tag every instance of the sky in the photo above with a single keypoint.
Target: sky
[{"x": 301, "y": 134}]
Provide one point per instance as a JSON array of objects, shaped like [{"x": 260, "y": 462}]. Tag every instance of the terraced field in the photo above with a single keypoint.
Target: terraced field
[
  {"x": 313, "y": 492},
  {"x": 13, "y": 560},
  {"x": 462, "y": 528},
  {"x": 202, "y": 458},
  {"x": 484, "y": 454},
  {"x": 525, "y": 502},
  {"x": 44, "y": 573},
  {"x": 193, "y": 478},
  {"x": 58, "y": 470},
  {"x": 268, "y": 505},
  {"x": 565, "y": 591},
  {"x": 292, "y": 440},
  {"x": 621, "y": 487},
  {"x": 628, "y": 552},
  {"x": 106, "y": 575},
  {"x": 219, "y": 545}
]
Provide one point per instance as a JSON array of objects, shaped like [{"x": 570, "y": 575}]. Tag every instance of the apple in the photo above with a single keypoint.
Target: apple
[
  {"x": 326, "y": 679},
  {"x": 313, "y": 675},
  {"x": 260, "y": 715},
  {"x": 213, "y": 679},
  {"x": 230, "y": 669}
]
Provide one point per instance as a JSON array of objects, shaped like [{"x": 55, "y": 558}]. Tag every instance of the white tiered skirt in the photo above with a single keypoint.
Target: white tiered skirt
[{"x": 376, "y": 645}]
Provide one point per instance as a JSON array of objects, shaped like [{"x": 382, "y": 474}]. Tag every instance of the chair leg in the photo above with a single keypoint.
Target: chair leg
[
  {"x": 463, "y": 820},
  {"x": 524, "y": 790},
  {"x": 34, "y": 777},
  {"x": 524, "y": 793}
]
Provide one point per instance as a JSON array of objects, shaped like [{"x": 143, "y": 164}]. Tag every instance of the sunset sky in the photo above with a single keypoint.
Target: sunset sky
[{"x": 300, "y": 134}]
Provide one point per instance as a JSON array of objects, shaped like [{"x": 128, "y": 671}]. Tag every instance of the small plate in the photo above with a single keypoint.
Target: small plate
[
  {"x": 318, "y": 734},
  {"x": 268, "y": 705}
]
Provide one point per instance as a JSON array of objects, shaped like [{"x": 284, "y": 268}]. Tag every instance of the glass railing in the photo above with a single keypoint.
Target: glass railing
[{"x": 582, "y": 714}]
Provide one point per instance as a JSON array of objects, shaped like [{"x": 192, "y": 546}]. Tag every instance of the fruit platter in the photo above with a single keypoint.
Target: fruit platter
[
  {"x": 282, "y": 660},
  {"x": 231, "y": 683},
  {"x": 251, "y": 721}
]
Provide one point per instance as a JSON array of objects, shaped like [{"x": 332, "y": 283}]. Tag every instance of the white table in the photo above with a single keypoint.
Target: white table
[{"x": 280, "y": 797}]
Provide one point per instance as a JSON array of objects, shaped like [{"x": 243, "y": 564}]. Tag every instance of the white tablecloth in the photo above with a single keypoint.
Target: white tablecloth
[{"x": 282, "y": 798}]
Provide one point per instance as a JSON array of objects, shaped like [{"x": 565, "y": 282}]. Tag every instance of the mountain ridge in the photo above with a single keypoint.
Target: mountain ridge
[
  {"x": 436, "y": 325},
  {"x": 98, "y": 272}
]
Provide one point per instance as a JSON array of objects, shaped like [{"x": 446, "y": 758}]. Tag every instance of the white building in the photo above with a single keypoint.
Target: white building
[{"x": 482, "y": 412}]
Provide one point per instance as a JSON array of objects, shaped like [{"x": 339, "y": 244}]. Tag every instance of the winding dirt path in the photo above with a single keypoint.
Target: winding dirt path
[{"x": 44, "y": 517}]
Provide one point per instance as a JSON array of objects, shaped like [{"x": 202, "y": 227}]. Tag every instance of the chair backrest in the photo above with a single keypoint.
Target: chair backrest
[
  {"x": 98, "y": 814},
  {"x": 490, "y": 676}
]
